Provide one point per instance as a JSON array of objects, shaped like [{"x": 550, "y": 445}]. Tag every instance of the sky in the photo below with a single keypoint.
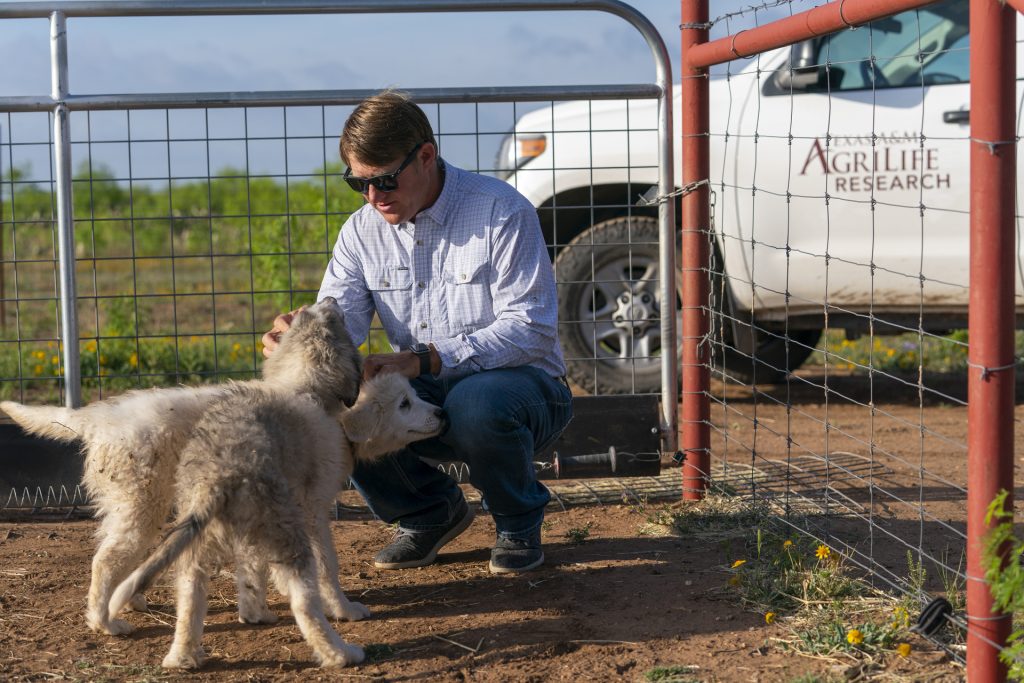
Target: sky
[
  {"x": 244, "y": 53},
  {"x": 156, "y": 54}
]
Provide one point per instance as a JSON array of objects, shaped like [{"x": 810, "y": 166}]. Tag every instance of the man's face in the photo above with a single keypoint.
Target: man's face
[{"x": 414, "y": 186}]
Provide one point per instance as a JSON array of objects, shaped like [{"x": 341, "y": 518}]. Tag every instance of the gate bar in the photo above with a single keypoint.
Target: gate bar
[
  {"x": 991, "y": 372},
  {"x": 695, "y": 409},
  {"x": 813, "y": 22},
  {"x": 65, "y": 213},
  {"x": 299, "y": 98}
]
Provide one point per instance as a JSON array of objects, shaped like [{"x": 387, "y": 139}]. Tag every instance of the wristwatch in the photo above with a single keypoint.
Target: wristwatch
[{"x": 422, "y": 352}]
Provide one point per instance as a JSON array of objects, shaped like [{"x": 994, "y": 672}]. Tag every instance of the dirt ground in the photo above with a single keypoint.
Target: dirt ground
[{"x": 610, "y": 607}]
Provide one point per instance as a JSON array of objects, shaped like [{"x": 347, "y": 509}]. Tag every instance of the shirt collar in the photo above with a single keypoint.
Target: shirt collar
[{"x": 439, "y": 209}]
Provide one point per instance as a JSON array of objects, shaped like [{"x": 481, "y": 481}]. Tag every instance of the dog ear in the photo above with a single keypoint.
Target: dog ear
[{"x": 360, "y": 422}]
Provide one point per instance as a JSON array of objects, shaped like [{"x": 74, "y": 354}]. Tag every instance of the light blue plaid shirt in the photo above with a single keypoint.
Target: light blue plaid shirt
[{"x": 472, "y": 276}]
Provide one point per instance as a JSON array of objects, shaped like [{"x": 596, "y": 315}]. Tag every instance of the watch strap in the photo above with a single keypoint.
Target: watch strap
[{"x": 422, "y": 351}]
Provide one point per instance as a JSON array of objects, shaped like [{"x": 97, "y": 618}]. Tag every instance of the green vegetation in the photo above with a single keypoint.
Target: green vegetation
[
  {"x": 578, "y": 534},
  {"x": 671, "y": 674},
  {"x": 176, "y": 280},
  {"x": 897, "y": 354},
  {"x": 1005, "y": 576},
  {"x": 804, "y": 589}
]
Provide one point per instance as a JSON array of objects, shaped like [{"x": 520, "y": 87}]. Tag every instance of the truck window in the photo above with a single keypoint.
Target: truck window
[{"x": 927, "y": 46}]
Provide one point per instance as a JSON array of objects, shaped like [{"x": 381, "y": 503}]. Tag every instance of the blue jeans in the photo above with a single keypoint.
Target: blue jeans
[{"x": 498, "y": 420}]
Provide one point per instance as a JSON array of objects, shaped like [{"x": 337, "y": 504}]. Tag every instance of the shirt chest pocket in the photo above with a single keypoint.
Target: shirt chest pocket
[
  {"x": 391, "y": 286},
  {"x": 467, "y": 290},
  {"x": 388, "y": 278}
]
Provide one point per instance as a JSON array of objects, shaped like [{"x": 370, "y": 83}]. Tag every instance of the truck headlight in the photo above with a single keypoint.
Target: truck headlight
[{"x": 516, "y": 150}]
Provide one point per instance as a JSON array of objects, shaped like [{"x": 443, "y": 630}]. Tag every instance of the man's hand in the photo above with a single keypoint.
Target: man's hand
[
  {"x": 281, "y": 324},
  {"x": 404, "y": 363}
]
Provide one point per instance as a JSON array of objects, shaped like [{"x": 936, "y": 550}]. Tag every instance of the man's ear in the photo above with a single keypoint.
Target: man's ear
[
  {"x": 429, "y": 156},
  {"x": 361, "y": 422}
]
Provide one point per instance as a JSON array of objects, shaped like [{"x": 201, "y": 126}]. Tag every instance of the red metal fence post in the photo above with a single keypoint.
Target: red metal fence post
[
  {"x": 695, "y": 410},
  {"x": 990, "y": 385}
]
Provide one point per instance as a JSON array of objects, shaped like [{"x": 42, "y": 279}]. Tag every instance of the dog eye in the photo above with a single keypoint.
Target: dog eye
[{"x": 405, "y": 404}]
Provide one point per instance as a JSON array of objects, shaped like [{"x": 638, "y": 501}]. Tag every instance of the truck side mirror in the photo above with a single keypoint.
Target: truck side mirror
[{"x": 801, "y": 73}]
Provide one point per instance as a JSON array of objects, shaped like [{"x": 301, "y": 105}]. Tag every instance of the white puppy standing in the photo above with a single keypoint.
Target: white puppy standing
[
  {"x": 387, "y": 416},
  {"x": 132, "y": 444}
]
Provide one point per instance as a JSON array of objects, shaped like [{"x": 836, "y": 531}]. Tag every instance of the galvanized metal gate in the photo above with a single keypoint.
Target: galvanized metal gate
[{"x": 63, "y": 105}]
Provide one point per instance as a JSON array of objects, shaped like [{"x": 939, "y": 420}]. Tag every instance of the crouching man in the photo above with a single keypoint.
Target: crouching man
[{"x": 455, "y": 267}]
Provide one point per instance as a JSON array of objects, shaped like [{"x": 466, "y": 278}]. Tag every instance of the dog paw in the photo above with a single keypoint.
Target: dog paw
[
  {"x": 112, "y": 627},
  {"x": 138, "y": 603},
  {"x": 257, "y": 616},
  {"x": 348, "y": 611},
  {"x": 346, "y": 655},
  {"x": 177, "y": 659}
]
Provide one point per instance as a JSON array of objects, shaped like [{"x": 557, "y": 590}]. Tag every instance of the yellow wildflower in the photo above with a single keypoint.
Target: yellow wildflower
[
  {"x": 90, "y": 346},
  {"x": 133, "y": 360},
  {"x": 854, "y": 636},
  {"x": 39, "y": 354},
  {"x": 787, "y": 544},
  {"x": 769, "y": 618},
  {"x": 735, "y": 580},
  {"x": 38, "y": 369},
  {"x": 823, "y": 552},
  {"x": 55, "y": 360},
  {"x": 738, "y": 563},
  {"x": 103, "y": 359},
  {"x": 903, "y": 649},
  {"x": 236, "y": 347}
]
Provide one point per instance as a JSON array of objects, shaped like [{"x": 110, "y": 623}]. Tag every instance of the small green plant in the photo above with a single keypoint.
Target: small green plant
[
  {"x": 376, "y": 652},
  {"x": 578, "y": 534},
  {"x": 716, "y": 516},
  {"x": 671, "y": 674},
  {"x": 1005, "y": 575}
]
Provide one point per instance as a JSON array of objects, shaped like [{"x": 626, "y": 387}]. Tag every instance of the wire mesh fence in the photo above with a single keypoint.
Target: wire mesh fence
[
  {"x": 195, "y": 227},
  {"x": 198, "y": 217},
  {"x": 838, "y": 243}
]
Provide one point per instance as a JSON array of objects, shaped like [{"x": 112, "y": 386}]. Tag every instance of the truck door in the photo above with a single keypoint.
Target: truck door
[{"x": 857, "y": 145}]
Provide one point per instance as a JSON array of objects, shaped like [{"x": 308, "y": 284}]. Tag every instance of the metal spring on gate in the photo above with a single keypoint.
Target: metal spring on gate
[{"x": 459, "y": 471}]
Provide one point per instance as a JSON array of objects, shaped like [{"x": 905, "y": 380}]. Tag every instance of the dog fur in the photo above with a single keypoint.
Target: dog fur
[
  {"x": 132, "y": 444},
  {"x": 255, "y": 482}
]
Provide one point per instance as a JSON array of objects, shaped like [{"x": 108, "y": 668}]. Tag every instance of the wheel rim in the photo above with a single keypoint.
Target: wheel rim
[{"x": 619, "y": 313}]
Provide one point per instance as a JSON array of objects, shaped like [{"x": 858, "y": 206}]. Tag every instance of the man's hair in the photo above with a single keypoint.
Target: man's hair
[{"x": 384, "y": 128}]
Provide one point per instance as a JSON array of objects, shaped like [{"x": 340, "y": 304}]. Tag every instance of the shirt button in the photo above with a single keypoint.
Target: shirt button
[
  {"x": 423, "y": 325},
  {"x": 421, "y": 285},
  {"x": 385, "y": 283},
  {"x": 462, "y": 276},
  {"x": 419, "y": 243}
]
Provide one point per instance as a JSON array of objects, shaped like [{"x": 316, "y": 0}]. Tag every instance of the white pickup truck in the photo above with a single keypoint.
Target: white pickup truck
[{"x": 840, "y": 175}]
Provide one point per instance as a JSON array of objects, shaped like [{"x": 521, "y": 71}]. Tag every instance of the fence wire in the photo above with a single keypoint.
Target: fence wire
[{"x": 839, "y": 273}]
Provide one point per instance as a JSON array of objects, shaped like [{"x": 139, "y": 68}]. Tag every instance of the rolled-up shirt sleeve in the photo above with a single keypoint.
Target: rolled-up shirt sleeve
[{"x": 344, "y": 280}]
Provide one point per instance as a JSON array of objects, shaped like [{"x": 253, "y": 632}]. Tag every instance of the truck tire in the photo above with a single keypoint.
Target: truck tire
[
  {"x": 609, "y": 307},
  {"x": 610, "y": 315}
]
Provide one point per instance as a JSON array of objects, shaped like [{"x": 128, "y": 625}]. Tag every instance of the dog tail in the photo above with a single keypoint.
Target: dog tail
[
  {"x": 170, "y": 549},
  {"x": 53, "y": 422}
]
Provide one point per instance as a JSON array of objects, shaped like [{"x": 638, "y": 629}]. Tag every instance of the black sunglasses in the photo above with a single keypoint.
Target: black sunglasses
[{"x": 385, "y": 182}]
